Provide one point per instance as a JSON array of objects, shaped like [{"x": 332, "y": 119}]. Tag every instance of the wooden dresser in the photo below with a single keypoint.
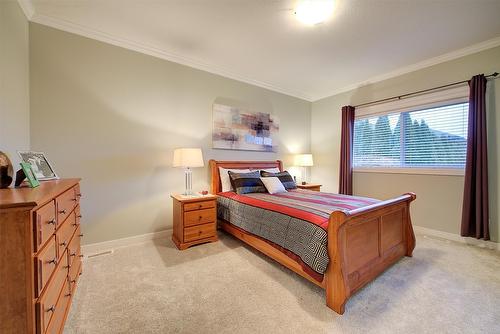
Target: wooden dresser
[
  {"x": 40, "y": 259},
  {"x": 194, "y": 220}
]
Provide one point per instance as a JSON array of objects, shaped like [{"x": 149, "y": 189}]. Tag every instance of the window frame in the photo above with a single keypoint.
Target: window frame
[{"x": 440, "y": 98}]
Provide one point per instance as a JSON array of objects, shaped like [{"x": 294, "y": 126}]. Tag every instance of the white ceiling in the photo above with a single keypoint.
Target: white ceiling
[{"x": 260, "y": 41}]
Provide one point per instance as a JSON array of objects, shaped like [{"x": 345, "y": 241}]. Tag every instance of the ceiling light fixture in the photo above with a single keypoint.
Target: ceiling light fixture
[{"x": 313, "y": 12}]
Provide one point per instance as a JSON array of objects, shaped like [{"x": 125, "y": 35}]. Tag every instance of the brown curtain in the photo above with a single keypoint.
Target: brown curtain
[
  {"x": 475, "y": 203},
  {"x": 346, "y": 143}
]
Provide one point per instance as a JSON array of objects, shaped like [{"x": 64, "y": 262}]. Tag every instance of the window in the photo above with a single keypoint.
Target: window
[{"x": 428, "y": 138}]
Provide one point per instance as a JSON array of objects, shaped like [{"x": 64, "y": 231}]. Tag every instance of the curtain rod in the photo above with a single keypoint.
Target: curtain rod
[{"x": 399, "y": 97}]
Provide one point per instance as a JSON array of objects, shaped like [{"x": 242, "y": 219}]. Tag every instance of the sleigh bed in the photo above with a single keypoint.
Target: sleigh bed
[{"x": 360, "y": 240}]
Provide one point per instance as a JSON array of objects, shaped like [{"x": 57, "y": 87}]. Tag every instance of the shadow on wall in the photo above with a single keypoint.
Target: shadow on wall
[{"x": 124, "y": 165}]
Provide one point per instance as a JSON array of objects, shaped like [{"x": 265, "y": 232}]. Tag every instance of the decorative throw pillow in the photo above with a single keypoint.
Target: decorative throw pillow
[
  {"x": 273, "y": 185},
  {"x": 225, "y": 181},
  {"x": 244, "y": 183},
  {"x": 271, "y": 170},
  {"x": 284, "y": 177}
]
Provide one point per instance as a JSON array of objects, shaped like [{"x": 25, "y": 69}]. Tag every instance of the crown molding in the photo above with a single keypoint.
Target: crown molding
[
  {"x": 81, "y": 30},
  {"x": 68, "y": 26},
  {"x": 488, "y": 44},
  {"x": 27, "y": 8}
]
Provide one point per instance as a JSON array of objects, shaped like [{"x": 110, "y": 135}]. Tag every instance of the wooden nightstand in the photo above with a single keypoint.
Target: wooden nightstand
[
  {"x": 310, "y": 186},
  {"x": 195, "y": 220}
]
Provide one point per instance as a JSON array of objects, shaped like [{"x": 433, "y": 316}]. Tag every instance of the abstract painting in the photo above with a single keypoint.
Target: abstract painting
[{"x": 241, "y": 129}]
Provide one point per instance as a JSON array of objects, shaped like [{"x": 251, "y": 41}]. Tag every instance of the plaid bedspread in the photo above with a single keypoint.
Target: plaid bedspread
[{"x": 296, "y": 220}]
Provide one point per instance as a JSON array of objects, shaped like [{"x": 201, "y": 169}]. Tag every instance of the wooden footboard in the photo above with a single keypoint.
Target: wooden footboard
[{"x": 363, "y": 243}]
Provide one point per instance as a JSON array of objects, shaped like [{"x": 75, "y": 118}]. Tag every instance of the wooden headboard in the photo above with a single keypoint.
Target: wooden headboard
[{"x": 215, "y": 185}]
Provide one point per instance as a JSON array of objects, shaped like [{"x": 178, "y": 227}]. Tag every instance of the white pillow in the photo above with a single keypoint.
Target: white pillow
[
  {"x": 273, "y": 185},
  {"x": 271, "y": 170},
  {"x": 225, "y": 181}
]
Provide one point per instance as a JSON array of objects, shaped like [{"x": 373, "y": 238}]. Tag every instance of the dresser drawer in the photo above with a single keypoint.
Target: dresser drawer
[
  {"x": 47, "y": 304},
  {"x": 46, "y": 261},
  {"x": 199, "y": 232},
  {"x": 74, "y": 272},
  {"x": 65, "y": 204},
  {"x": 65, "y": 232},
  {"x": 199, "y": 205},
  {"x": 78, "y": 193},
  {"x": 45, "y": 224},
  {"x": 198, "y": 217},
  {"x": 78, "y": 214},
  {"x": 56, "y": 322},
  {"x": 74, "y": 246}
]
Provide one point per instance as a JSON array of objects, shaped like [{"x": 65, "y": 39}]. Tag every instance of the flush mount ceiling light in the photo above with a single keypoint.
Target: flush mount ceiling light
[{"x": 312, "y": 12}]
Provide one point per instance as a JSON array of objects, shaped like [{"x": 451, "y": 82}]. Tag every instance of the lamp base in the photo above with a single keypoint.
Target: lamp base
[{"x": 188, "y": 178}]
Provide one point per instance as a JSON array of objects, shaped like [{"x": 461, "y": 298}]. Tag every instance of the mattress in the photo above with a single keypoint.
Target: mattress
[{"x": 296, "y": 221}]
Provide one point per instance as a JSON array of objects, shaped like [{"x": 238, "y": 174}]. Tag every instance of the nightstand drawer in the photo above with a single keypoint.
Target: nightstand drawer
[
  {"x": 199, "y": 232},
  {"x": 199, "y": 205},
  {"x": 199, "y": 217}
]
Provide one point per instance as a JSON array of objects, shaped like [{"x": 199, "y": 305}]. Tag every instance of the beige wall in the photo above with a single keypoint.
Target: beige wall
[
  {"x": 439, "y": 201},
  {"x": 14, "y": 80},
  {"x": 113, "y": 117}
]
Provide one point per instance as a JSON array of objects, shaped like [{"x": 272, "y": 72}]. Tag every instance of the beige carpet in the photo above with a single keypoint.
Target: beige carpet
[{"x": 226, "y": 287}]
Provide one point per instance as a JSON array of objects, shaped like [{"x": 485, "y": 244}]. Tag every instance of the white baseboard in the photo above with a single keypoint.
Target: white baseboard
[
  {"x": 109, "y": 246},
  {"x": 455, "y": 237}
]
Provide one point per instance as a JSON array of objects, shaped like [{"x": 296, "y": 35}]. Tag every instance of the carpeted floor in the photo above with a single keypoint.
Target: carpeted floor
[{"x": 226, "y": 287}]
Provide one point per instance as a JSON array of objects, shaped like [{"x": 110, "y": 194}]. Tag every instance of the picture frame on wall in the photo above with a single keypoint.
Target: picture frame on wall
[
  {"x": 241, "y": 129},
  {"x": 30, "y": 176},
  {"x": 40, "y": 165}
]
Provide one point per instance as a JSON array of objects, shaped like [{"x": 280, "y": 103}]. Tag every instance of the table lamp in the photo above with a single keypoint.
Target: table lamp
[
  {"x": 304, "y": 161},
  {"x": 188, "y": 158}
]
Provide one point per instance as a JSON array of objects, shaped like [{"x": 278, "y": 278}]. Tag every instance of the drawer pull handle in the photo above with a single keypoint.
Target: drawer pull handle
[
  {"x": 51, "y": 309},
  {"x": 74, "y": 224},
  {"x": 79, "y": 216},
  {"x": 54, "y": 261},
  {"x": 51, "y": 222},
  {"x": 78, "y": 195},
  {"x": 81, "y": 235},
  {"x": 67, "y": 295},
  {"x": 200, "y": 218},
  {"x": 200, "y": 206},
  {"x": 73, "y": 281},
  {"x": 199, "y": 232},
  {"x": 63, "y": 211},
  {"x": 63, "y": 244},
  {"x": 72, "y": 254},
  {"x": 74, "y": 199}
]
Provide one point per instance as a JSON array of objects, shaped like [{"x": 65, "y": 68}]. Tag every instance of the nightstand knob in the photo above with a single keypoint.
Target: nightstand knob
[
  {"x": 199, "y": 232},
  {"x": 200, "y": 206},
  {"x": 200, "y": 217}
]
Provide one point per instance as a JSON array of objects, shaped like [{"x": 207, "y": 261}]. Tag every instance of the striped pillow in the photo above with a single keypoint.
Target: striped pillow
[
  {"x": 244, "y": 183},
  {"x": 284, "y": 177}
]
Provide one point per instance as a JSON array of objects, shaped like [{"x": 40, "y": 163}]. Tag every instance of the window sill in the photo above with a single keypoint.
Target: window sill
[{"x": 416, "y": 171}]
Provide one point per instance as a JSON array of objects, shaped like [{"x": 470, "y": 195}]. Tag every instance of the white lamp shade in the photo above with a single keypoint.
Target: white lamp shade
[
  {"x": 188, "y": 157},
  {"x": 304, "y": 160}
]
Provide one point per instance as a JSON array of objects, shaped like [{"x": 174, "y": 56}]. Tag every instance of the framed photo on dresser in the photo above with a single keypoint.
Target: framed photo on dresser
[{"x": 40, "y": 165}]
